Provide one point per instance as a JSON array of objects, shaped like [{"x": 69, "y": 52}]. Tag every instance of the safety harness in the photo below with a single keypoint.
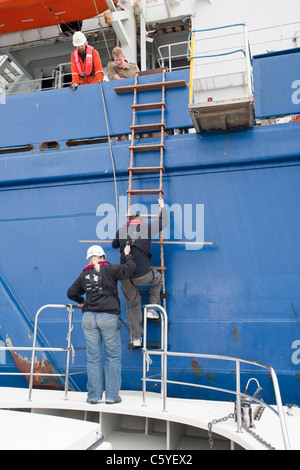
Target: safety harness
[
  {"x": 88, "y": 62},
  {"x": 94, "y": 282}
]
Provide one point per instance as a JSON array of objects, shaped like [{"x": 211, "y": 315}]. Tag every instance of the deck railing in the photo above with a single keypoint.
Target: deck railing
[
  {"x": 34, "y": 348},
  {"x": 220, "y": 69},
  {"x": 165, "y": 354}
]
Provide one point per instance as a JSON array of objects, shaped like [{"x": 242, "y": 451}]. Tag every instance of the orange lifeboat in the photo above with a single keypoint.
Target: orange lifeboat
[{"x": 20, "y": 15}]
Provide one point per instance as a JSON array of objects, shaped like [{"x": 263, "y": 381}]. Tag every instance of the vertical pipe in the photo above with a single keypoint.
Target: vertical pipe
[
  {"x": 164, "y": 378},
  {"x": 164, "y": 321},
  {"x": 144, "y": 355},
  {"x": 280, "y": 410},
  {"x": 69, "y": 336},
  {"x": 191, "y": 84},
  {"x": 170, "y": 58},
  {"x": 33, "y": 353},
  {"x": 248, "y": 60},
  {"x": 143, "y": 37},
  {"x": 60, "y": 72},
  {"x": 238, "y": 397},
  {"x": 162, "y": 364}
]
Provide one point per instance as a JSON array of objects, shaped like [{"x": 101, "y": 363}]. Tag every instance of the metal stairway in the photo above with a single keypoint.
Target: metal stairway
[{"x": 8, "y": 72}]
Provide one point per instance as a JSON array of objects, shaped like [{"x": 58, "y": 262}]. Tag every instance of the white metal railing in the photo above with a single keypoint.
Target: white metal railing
[
  {"x": 34, "y": 348},
  {"x": 60, "y": 73},
  {"x": 31, "y": 86},
  {"x": 222, "y": 60},
  {"x": 166, "y": 58},
  {"x": 164, "y": 353}
]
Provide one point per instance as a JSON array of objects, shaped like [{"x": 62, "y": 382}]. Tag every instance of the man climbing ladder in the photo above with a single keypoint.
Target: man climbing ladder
[{"x": 138, "y": 235}]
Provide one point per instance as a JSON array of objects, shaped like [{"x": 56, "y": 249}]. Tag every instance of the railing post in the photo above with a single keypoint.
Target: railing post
[
  {"x": 170, "y": 58},
  {"x": 144, "y": 355},
  {"x": 69, "y": 336},
  {"x": 238, "y": 397},
  {"x": 33, "y": 352},
  {"x": 248, "y": 61},
  {"x": 163, "y": 352},
  {"x": 280, "y": 410},
  {"x": 191, "y": 58},
  {"x": 164, "y": 322},
  {"x": 70, "y": 308}
]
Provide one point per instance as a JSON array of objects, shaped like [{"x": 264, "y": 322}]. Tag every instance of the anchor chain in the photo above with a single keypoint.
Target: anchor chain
[
  {"x": 210, "y": 425},
  {"x": 244, "y": 426},
  {"x": 257, "y": 437}
]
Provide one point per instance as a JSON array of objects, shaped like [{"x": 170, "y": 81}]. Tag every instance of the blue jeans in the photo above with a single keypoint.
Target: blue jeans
[{"x": 103, "y": 328}]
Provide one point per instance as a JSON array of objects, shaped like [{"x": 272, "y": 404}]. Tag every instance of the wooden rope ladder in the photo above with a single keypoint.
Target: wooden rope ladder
[
  {"x": 136, "y": 88},
  {"x": 146, "y": 127}
]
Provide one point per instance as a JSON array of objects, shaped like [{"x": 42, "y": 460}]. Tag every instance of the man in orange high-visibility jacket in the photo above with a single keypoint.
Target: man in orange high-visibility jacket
[{"x": 86, "y": 63}]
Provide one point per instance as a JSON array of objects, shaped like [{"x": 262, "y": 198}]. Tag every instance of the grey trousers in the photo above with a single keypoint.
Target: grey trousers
[{"x": 131, "y": 293}]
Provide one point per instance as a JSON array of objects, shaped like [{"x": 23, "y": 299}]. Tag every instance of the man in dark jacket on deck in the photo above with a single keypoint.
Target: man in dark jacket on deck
[{"x": 138, "y": 235}]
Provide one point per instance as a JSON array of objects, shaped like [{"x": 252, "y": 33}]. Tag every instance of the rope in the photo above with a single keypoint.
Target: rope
[
  {"x": 102, "y": 30},
  {"x": 69, "y": 335},
  {"x": 116, "y": 189},
  {"x": 58, "y": 20},
  {"x": 111, "y": 155},
  {"x": 124, "y": 324}
]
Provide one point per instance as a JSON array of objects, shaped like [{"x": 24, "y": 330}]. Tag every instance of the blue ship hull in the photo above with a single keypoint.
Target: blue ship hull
[{"x": 240, "y": 297}]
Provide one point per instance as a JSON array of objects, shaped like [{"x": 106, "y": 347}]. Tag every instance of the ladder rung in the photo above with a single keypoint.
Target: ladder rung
[
  {"x": 150, "y": 86},
  {"x": 145, "y": 191},
  {"x": 12, "y": 69},
  {"x": 151, "y": 71},
  {"x": 146, "y": 169},
  {"x": 153, "y": 320},
  {"x": 161, "y": 268},
  {"x": 7, "y": 77},
  {"x": 148, "y": 106},
  {"x": 148, "y": 127},
  {"x": 146, "y": 216},
  {"x": 131, "y": 347},
  {"x": 146, "y": 148},
  {"x": 163, "y": 295},
  {"x": 154, "y": 345}
]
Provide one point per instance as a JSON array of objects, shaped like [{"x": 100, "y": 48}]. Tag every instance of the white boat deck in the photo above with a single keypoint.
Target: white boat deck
[
  {"x": 29, "y": 431},
  {"x": 130, "y": 425}
]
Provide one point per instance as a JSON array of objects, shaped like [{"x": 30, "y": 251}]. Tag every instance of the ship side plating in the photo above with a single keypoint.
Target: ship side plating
[{"x": 238, "y": 188}]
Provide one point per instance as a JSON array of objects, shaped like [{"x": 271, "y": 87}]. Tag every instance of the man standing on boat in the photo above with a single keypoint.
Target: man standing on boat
[
  {"x": 120, "y": 67},
  {"x": 100, "y": 321},
  {"x": 86, "y": 64},
  {"x": 138, "y": 235}
]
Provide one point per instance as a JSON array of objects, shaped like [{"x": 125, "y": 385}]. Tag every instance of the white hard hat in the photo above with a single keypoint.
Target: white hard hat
[
  {"x": 95, "y": 250},
  {"x": 79, "y": 39}
]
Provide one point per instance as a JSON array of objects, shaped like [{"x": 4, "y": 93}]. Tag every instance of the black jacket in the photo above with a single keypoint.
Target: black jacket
[
  {"x": 139, "y": 235},
  {"x": 111, "y": 274}
]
